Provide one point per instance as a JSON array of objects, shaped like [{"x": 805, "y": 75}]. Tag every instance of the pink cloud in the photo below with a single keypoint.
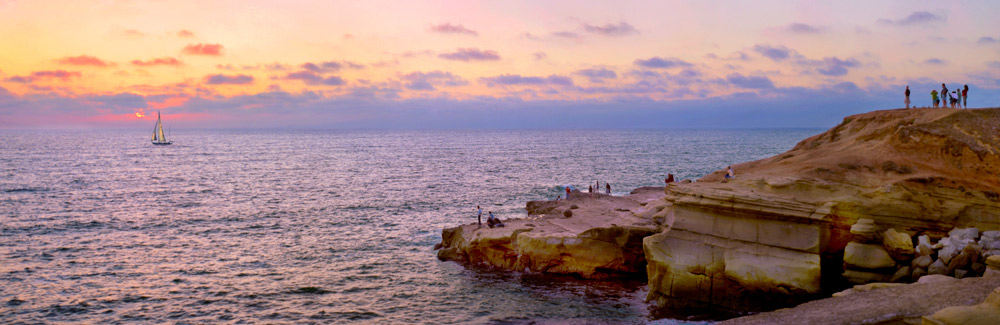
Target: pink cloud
[
  {"x": 185, "y": 33},
  {"x": 157, "y": 61},
  {"x": 453, "y": 29},
  {"x": 621, "y": 29},
  {"x": 203, "y": 49},
  {"x": 83, "y": 60},
  {"x": 312, "y": 78},
  {"x": 471, "y": 54},
  {"x": 221, "y": 79},
  {"x": 62, "y": 75}
]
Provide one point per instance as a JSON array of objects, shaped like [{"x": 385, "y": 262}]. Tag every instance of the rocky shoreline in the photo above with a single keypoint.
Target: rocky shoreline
[{"x": 886, "y": 196}]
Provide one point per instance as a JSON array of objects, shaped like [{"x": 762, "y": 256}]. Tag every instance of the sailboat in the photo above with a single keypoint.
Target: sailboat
[{"x": 158, "y": 137}]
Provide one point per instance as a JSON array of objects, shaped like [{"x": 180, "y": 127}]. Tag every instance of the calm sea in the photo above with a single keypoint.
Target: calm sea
[{"x": 263, "y": 226}]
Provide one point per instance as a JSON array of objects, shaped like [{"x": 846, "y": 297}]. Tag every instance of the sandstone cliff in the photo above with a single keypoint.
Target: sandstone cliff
[
  {"x": 601, "y": 238},
  {"x": 776, "y": 234}
]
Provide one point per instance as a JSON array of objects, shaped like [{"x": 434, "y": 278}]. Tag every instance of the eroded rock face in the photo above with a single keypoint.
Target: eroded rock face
[
  {"x": 782, "y": 226},
  {"x": 603, "y": 238}
]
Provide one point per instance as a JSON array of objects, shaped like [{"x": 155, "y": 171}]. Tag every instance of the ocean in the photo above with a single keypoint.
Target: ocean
[{"x": 291, "y": 226}]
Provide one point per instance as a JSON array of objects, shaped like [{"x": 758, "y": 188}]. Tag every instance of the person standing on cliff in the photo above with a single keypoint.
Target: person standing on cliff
[
  {"x": 959, "y": 94},
  {"x": 480, "y": 217},
  {"x": 944, "y": 96},
  {"x": 907, "y": 100},
  {"x": 670, "y": 179},
  {"x": 965, "y": 96},
  {"x": 953, "y": 99},
  {"x": 934, "y": 97},
  {"x": 609, "y": 187},
  {"x": 567, "y": 192},
  {"x": 590, "y": 190}
]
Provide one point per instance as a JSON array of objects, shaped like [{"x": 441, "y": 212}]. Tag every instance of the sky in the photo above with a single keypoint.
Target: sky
[{"x": 485, "y": 64}]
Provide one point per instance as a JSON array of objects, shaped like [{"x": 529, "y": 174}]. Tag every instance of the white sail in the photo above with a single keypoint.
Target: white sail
[
  {"x": 155, "y": 127},
  {"x": 159, "y": 128},
  {"x": 158, "y": 136}
]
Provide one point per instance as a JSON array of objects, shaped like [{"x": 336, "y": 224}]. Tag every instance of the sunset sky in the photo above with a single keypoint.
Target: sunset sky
[{"x": 485, "y": 64}]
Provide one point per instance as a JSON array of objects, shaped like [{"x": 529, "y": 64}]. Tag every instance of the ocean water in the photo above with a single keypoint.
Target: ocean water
[{"x": 264, "y": 226}]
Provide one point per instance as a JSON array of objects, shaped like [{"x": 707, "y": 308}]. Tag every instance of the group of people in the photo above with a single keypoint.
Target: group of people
[
  {"x": 959, "y": 97},
  {"x": 491, "y": 221},
  {"x": 591, "y": 188}
]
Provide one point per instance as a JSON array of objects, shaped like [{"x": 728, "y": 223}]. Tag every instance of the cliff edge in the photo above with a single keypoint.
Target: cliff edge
[{"x": 777, "y": 233}]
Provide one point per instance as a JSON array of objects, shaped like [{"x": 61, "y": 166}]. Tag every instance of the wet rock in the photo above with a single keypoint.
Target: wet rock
[
  {"x": 899, "y": 245},
  {"x": 868, "y": 256},
  {"x": 938, "y": 267}
]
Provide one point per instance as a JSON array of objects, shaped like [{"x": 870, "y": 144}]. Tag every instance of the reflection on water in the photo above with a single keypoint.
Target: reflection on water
[{"x": 299, "y": 226}]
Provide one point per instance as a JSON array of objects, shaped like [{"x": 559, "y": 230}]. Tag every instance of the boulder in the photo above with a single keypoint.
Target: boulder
[
  {"x": 923, "y": 261},
  {"x": 938, "y": 267},
  {"x": 924, "y": 240},
  {"x": 964, "y": 233},
  {"x": 993, "y": 262},
  {"x": 918, "y": 273},
  {"x": 960, "y": 273},
  {"x": 978, "y": 268},
  {"x": 990, "y": 240},
  {"x": 863, "y": 277},
  {"x": 864, "y": 230},
  {"x": 901, "y": 275},
  {"x": 936, "y": 278},
  {"x": 899, "y": 245},
  {"x": 868, "y": 256},
  {"x": 924, "y": 250},
  {"x": 951, "y": 246},
  {"x": 987, "y": 312},
  {"x": 960, "y": 261}
]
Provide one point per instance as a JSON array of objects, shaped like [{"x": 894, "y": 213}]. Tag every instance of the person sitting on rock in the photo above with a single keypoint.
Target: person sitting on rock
[
  {"x": 493, "y": 221},
  {"x": 729, "y": 174}
]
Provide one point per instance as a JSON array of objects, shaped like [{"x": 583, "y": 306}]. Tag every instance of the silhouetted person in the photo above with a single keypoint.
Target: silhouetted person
[
  {"x": 609, "y": 188},
  {"x": 907, "y": 100},
  {"x": 965, "y": 96}
]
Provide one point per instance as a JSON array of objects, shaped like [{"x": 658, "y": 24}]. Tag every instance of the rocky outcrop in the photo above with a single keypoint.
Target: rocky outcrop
[
  {"x": 782, "y": 230},
  {"x": 601, "y": 238}
]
